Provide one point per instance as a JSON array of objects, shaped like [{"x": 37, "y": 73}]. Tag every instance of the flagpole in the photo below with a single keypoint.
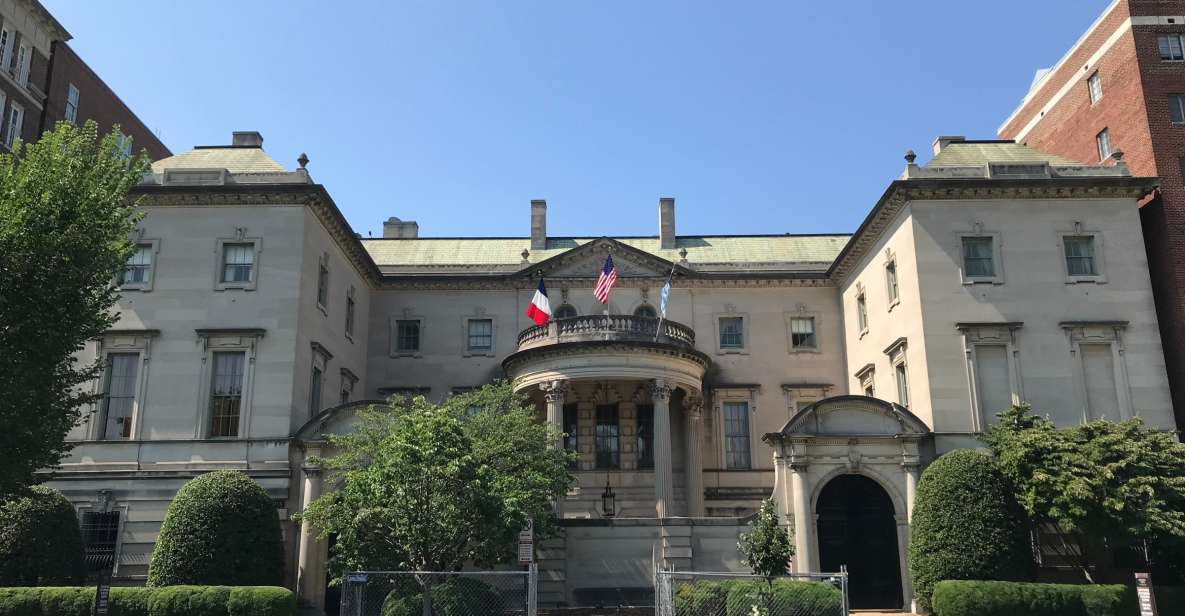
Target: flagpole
[{"x": 663, "y": 304}]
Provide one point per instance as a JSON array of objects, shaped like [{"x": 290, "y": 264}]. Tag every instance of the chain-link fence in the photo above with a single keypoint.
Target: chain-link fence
[
  {"x": 469, "y": 593},
  {"x": 684, "y": 593}
]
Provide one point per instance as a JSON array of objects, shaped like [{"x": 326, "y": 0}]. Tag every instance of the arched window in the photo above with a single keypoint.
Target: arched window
[
  {"x": 645, "y": 310},
  {"x": 565, "y": 311}
]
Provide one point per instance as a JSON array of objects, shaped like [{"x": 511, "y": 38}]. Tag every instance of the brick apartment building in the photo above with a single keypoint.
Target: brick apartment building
[
  {"x": 1119, "y": 94},
  {"x": 43, "y": 81}
]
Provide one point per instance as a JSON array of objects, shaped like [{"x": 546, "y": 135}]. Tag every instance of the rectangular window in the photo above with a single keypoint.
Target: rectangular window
[
  {"x": 350, "y": 315},
  {"x": 1177, "y": 108},
  {"x": 1098, "y": 368},
  {"x": 862, "y": 313},
  {"x": 978, "y": 257},
  {"x": 802, "y": 333},
  {"x": 138, "y": 267},
  {"x": 323, "y": 284},
  {"x": 1170, "y": 47},
  {"x": 315, "y": 386},
  {"x": 891, "y": 282},
  {"x": 347, "y": 388},
  {"x": 407, "y": 336},
  {"x": 869, "y": 389},
  {"x": 1094, "y": 86},
  {"x": 732, "y": 332},
  {"x": 16, "y": 121},
  {"x": 736, "y": 435},
  {"x": 1080, "y": 255},
  {"x": 226, "y": 393},
  {"x": 100, "y": 536},
  {"x": 72, "y": 104},
  {"x": 480, "y": 336},
  {"x": 238, "y": 262},
  {"x": 645, "y": 432},
  {"x": 608, "y": 443},
  {"x": 6, "y": 40},
  {"x": 1103, "y": 141},
  {"x": 119, "y": 395},
  {"x": 572, "y": 431},
  {"x": 902, "y": 384},
  {"x": 991, "y": 377},
  {"x": 22, "y": 65}
]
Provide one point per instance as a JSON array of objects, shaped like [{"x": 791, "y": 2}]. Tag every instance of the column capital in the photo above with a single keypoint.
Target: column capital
[
  {"x": 553, "y": 391},
  {"x": 910, "y": 462},
  {"x": 311, "y": 471},
  {"x": 693, "y": 404},
  {"x": 798, "y": 466},
  {"x": 659, "y": 390}
]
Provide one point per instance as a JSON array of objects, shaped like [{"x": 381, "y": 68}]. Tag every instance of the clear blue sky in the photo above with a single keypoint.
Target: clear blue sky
[{"x": 758, "y": 117}]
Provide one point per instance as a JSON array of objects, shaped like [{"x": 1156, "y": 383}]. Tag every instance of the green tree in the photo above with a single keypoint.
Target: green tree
[
  {"x": 65, "y": 224},
  {"x": 220, "y": 529},
  {"x": 966, "y": 525},
  {"x": 40, "y": 544},
  {"x": 1100, "y": 479},
  {"x": 431, "y": 487},
  {"x": 767, "y": 548}
]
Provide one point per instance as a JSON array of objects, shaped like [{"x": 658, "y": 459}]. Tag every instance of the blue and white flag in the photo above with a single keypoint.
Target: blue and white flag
[{"x": 665, "y": 294}]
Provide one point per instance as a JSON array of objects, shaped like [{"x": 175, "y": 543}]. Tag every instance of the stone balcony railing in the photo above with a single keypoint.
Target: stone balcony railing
[{"x": 613, "y": 327}]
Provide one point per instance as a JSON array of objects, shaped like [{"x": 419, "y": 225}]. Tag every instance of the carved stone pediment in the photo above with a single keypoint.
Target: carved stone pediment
[
  {"x": 587, "y": 260},
  {"x": 854, "y": 416}
]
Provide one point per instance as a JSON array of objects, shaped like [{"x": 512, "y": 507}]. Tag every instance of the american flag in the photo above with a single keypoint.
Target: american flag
[{"x": 606, "y": 281}]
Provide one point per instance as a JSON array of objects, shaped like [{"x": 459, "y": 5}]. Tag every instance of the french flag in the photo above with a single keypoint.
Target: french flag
[{"x": 540, "y": 309}]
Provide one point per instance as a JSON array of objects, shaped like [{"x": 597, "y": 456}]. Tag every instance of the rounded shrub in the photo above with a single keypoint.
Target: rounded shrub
[
  {"x": 701, "y": 598},
  {"x": 782, "y": 598},
  {"x": 221, "y": 528},
  {"x": 984, "y": 598},
  {"x": 40, "y": 544},
  {"x": 459, "y": 596},
  {"x": 967, "y": 525}
]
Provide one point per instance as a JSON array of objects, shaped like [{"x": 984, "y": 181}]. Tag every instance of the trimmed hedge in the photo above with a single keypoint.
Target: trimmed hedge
[
  {"x": 459, "y": 596},
  {"x": 975, "y": 598},
  {"x": 738, "y": 598},
  {"x": 40, "y": 543},
  {"x": 170, "y": 601},
  {"x": 967, "y": 525},
  {"x": 220, "y": 529}
]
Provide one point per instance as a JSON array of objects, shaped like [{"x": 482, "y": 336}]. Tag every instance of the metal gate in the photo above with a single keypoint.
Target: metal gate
[
  {"x": 465, "y": 593},
  {"x": 690, "y": 593}
]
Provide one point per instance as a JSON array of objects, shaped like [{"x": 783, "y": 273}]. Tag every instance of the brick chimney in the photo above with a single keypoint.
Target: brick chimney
[
  {"x": 666, "y": 223},
  {"x": 246, "y": 139},
  {"x": 538, "y": 224},
  {"x": 402, "y": 229}
]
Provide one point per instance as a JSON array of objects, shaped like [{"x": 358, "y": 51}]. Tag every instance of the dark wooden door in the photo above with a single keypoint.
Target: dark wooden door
[{"x": 857, "y": 528}]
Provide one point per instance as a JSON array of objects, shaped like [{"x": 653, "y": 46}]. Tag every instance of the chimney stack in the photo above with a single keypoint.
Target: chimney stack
[
  {"x": 401, "y": 229},
  {"x": 666, "y": 223},
  {"x": 538, "y": 224},
  {"x": 246, "y": 139},
  {"x": 942, "y": 141}
]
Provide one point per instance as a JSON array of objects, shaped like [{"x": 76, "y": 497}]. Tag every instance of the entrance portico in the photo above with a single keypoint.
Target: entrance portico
[{"x": 628, "y": 390}]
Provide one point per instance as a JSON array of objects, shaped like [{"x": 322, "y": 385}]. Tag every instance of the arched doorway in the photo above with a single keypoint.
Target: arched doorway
[{"x": 857, "y": 528}]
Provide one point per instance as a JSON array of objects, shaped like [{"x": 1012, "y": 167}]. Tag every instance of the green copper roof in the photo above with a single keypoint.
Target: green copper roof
[
  {"x": 233, "y": 159},
  {"x": 701, "y": 250},
  {"x": 979, "y": 153}
]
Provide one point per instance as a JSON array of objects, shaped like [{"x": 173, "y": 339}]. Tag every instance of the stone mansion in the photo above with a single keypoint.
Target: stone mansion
[{"x": 824, "y": 370}]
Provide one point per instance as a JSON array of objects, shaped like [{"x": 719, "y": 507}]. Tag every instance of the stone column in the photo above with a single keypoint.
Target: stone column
[
  {"x": 664, "y": 488},
  {"x": 693, "y": 407},
  {"x": 804, "y": 522},
  {"x": 310, "y": 570},
  {"x": 911, "y": 488},
  {"x": 553, "y": 393}
]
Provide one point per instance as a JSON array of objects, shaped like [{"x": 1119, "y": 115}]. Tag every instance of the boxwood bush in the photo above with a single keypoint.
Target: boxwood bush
[
  {"x": 967, "y": 525},
  {"x": 739, "y": 597},
  {"x": 459, "y": 596},
  {"x": 170, "y": 601},
  {"x": 221, "y": 528},
  {"x": 979, "y": 598},
  {"x": 39, "y": 540}
]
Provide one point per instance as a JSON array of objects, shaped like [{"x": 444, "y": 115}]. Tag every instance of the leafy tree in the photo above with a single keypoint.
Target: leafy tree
[
  {"x": 431, "y": 487},
  {"x": 220, "y": 529},
  {"x": 767, "y": 548},
  {"x": 40, "y": 544},
  {"x": 966, "y": 525},
  {"x": 1096, "y": 480},
  {"x": 65, "y": 222}
]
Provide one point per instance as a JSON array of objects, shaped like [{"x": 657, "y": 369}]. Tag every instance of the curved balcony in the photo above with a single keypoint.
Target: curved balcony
[
  {"x": 613, "y": 327},
  {"x": 607, "y": 347}
]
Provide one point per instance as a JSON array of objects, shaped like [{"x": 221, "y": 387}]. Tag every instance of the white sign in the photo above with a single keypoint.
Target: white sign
[
  {"x": 526, "y": 543},
  {"x": 1144, "y": 595}
]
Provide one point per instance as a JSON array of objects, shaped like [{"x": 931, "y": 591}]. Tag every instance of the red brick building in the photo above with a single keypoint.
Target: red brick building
[
  {"x": 43, "y": 81},
  {"x": 1119, "y": 92}
]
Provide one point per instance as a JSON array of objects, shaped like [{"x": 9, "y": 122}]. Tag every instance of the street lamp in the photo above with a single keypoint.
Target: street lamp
[{"x": 608, "y": 500}]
